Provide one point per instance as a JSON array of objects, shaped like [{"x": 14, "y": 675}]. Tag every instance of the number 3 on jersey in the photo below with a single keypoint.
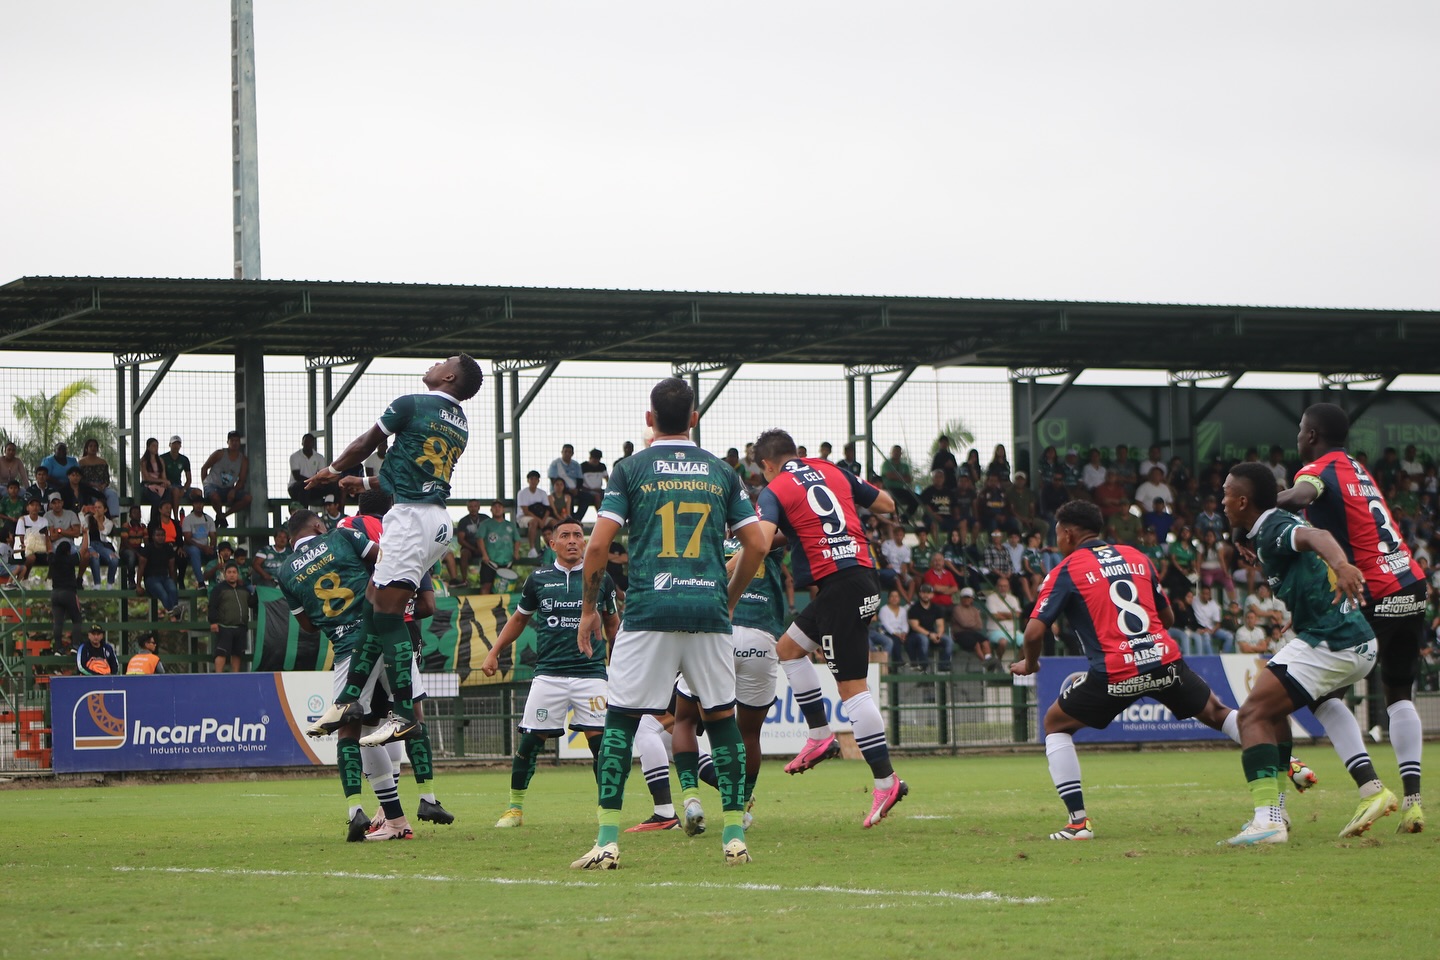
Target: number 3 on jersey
[{"x": 668, "y": 517}]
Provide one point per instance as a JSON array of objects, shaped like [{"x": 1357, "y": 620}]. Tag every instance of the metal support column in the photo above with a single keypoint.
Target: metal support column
[
  {"x": 691, "y": 372},
  {"x": 333, "y": 400},
  {"x": 250, "y": 421},
  {"x": 245, "y": 149},
  {"x": 129, "y": 404},
  {"x": 866, "y": 374},
  {"x": 509, "y": 370}
]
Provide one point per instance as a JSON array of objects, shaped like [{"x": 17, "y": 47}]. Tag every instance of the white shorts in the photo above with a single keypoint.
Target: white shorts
[
  {"x": 341, "y": 669},
  {"x": 1316, "y": 671},
  {"x": 643, "y": 665},
  {"x": 550, "y": 698},
  {"x": 755, "y": 668},
  {"x": 414, "y": 538}
]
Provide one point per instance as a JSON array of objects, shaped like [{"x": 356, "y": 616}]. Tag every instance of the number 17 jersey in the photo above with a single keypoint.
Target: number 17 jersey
[
  {"x": 677, "y": 500},
  {"x": 1112, "y": 598}
]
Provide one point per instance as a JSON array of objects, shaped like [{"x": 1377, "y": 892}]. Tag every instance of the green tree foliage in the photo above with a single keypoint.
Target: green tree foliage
[{"x": 47, "y": 419}]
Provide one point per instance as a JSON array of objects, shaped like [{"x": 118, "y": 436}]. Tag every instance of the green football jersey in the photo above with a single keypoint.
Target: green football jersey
[
  {"x": 552, "y": 598},
  {"x": 1306, "y": 585},
  {"x": 677, "y": 500},
  {"x": 428, "y": 432},
  {"x": 272, "y": 558},
  {"x": 499, "y": 538},
  {"x": 762, "y": 605},
  {"x": 325, "y": 577}
]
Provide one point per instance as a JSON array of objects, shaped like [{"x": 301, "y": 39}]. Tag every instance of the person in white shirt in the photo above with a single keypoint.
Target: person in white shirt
[
  {"x": 531, "y": 507},
  {"x": 1411, "y": 464},
  {"x": 1250, "y": 638},
  {"x": 1154, "y": 488},
  {"x": 888, "y": 632},
  {"x": 1004, "y": 610},
  {"x": 1094, "y": 472},
  {"x": 30, "y": 540},
  {"x": 1207, "y": 614},
  {"x": 1277, "y": 467},
  {"x": 1151, "y": 462},
  {"x": 898, "y": 574},
  {"x": 1272, "y": 611}
]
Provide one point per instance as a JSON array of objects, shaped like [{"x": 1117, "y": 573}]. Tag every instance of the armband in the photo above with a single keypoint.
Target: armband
[{"x": 365, "y": 482}]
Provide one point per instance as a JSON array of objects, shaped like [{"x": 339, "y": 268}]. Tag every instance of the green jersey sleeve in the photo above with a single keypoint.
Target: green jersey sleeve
[
  {"x": 397, "y": 415},
  {"x": 529, "y": 596},
  {"x": 616, "y": 503},
  {"x": 356, "y": 541},
  {"x": 609, "y": 597},
  {"x": 739, "y": 508}
]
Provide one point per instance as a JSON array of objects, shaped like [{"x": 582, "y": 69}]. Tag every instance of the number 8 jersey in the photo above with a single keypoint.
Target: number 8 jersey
[
  {"x": 326, "y": 577},
  {"x": 1112, "y": 598}
]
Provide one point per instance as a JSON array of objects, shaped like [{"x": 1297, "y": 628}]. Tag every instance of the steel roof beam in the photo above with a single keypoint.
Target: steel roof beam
[
  {"x": 628, "y": 333},
  {"x": 74, "y": 310},
  {"x": 824, "y": 335}
]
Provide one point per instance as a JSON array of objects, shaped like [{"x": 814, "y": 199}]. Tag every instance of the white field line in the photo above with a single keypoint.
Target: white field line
[{"x": 985, "y": 896}]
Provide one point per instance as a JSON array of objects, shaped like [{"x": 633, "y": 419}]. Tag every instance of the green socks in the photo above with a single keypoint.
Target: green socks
[
  {"x": 389, "y": 629},
  {"x": 1262, "y": 771},
  {"x": 522, "y": 766},
  {"x": 352, "y": 774},
  {"x": 617, "y": 745},
  {"x": 728, "y": 752}
]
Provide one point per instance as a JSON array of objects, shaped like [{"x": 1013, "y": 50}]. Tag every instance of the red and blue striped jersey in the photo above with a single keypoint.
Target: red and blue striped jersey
[
  {"x": 368, "y": 525},
  {"x": 1112, "y": 598},
  {"x": 1350, "y": 507},
  {"x": 813, "y": 502}
]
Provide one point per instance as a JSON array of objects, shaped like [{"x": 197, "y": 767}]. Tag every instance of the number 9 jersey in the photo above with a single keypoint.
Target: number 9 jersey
[
  {"x": 1112, "y": 598},
  {"x": 813, "y": 502}
]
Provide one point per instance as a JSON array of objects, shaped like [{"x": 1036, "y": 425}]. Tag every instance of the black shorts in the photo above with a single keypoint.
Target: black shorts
[
  {"x": 231, "y": 642},
  {"x": 838, "y": 620},
  {"x": 1095, "y": 701},
  {"x": 1399, "y": 625}
]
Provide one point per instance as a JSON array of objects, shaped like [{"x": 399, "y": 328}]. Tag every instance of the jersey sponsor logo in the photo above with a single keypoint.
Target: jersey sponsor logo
[
  {"x": 663, "y": 581},
  {"x": 870, "y": 605},
  {"x": 455, "y": 419},
  {"x": 668, "y": 581},
  {"x": 309, "y": 556},
  {"x": 1399, "y": 605},
  {"x": 685, "y": 469}
]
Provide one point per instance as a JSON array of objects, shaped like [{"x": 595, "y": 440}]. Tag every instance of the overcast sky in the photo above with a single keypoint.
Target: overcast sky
[{"x": 1259, "y": 153}]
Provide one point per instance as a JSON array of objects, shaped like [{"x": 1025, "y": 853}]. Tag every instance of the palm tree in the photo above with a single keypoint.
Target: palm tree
[
  {"x": 45, "y": 420},
  {"x": 961, "y": 437}
]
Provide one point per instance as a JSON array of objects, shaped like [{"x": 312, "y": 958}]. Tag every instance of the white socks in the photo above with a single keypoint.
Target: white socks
[
  {"x": 1065, "y": 771},
  {"x": 1231, "y": 726},
  {"x": 805, "y": 685},
  {"x": 1407, "y": 738},
  {"x": 1343, "y": 731}
]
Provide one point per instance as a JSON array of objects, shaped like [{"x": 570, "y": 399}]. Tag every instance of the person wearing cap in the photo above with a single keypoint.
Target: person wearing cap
[
  {"x": 304, "y": 464},
  {"x": 929, "y": 632},
  {"x": 95, "y": 657},
  {"x": 223, "y": 476},
  {"x": 177, "y": 471},
  {"x": 967, "y": 627},
  {"x": 146, "y": 661},
  {"x": 64, "y": 581},
  {"x": 30, "y": 536},
  {"x": 61, "y": 523}
]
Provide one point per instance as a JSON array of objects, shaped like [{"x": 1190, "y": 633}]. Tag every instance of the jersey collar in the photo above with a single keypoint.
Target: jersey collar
[
  {"x": 1255, "y": 530},
  {"x": 441, "y": 393},
  {"x": 296, "y": 544},
  {"x": 672, "y": 443},
  {"x": 569, "y": 570}
]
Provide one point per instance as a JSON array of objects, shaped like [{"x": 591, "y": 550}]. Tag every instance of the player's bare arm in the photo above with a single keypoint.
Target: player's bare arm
[
  {"x": 1034, "y": 642},
  {"x": 754, "y": 545},
  {"x": 508, "y": 634},
  {"x": 1349, "y": 581},
  {"x": 1298, "y": 497},
  {"x": 353, "y": 455},
  {"x": 884, "y": 503},
  {"x": 597, "y": 554}
]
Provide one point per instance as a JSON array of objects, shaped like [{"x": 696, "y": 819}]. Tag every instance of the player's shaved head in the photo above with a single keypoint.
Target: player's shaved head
[
  {"x": 775, "y": 446},
  {"x": 301, "y": 521},
  {"x": 672, "y": 401},
  {"x": 1082, "y": 515},
  {"x": 1330, "y": 422},
  {"x": 1259, "y": 483}
]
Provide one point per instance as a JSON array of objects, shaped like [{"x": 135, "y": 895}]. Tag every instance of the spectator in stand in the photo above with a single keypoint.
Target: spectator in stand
[
  {"x": 155, "y": 572},
  {"x": 929, "y": 632},
  {"x": 1024, "y": 505},
  {"x": 1211, "y": 520},
  {"x": 922, "y": 545},
  {"x": 177, "y": 471},
  {"x": 132, "y": 541},
  {"x": 1048, "y": 466},
  {"x": 890, "y": 628},
  {"x": 498, "y": 539},
  {"x": 1151, "y": 546},
  {"x": 938, "y": 499},
  {"x": 304, "y": 464},
  {"x": 154, "y": 483},
  {"x": 95, "y": 472},
  {"x": 996, "y": 559},
  {"x": 1208, "y": 616},
  {"x": 199, "y": 542},
  {"x": 967, "y": 628},
  {"x": 567, "y": 469},
  {"x": 331, "y": 514},
  {"x": 1109, "y": 494},
  {"x": 963, "y": 505},
  {"x": 1386, "y": 470},
  {"x": 897, "y": 480},
  {"x": 13, "y": 468},
  {"x": 467, "y": 535},
  {"x": 95, "y": 657},
  {"x": 1278, "y": 468},
  {"x": 1411, "y": 463},
  {"x": 223, "y": 476},
  {"x": 1404, "y": 504},
  {"x": 944, "y": 460},
  {"x": 1016, "y": 549},
  {"x": 1072, "y": 473},
  {"x": 847, "y": 462},
  {"x": 1154, "y": 488},
  {"x": 1274, "y": 615},
  {"x": 215, "y": 569},
  {"x": 627, "y": 450},
  {"x": 12, "y": 508},
  {"x": 732, "y": 457},
  {"x": 1093, "y": 474},
  {"x": 825, "y": 450},
  {"x": 1125, "y": 527},
  {"x": 1184, "y": 572},
  {"x": 957, "y": 557},
  {"x": 1151, "y": 462},
  {"x": 898, "y": 573},
  {"x": 1125, "y": 470},
  {"x": 1178, "y": 476},
  {"x": 1250, "y": 638},
  {"x": 1188, "y": 502},
  {"x": 30, "y": 536},
  {"x": 64, "y": 581},
  {"x": 532, "y": 506},
  {"x": 1053, "y": 496},
  {"x": 266, "y": 565},
  {"x": 59, "y": 463},
  {"x": 98, "y": 547},
  {"x": 1159, "y": 519},
  {"x": 617, "y": 563},
  {"x": 941, "y": 581},
  {"x": 1186, "y": 628},
  {"x": 999, "y": 465},
  {"x": 561, "y": 504},
  {"x": 62, "y": 524},
  {"x": 801, "y": 452},
  {"x": 146, "y": 661},
  {"x": 971, "y": 467},
  {"x": 1003, "y": 609},
  {"x": 44, "y": 487},
  {"x": 77, "y": 493},
  {"x": 1214, "y": 563},
  {"x": 994, "y": 506},
  {"x": 1032, "y": 567},
  {"x": 230, "y": 620},
  {"x": 593, "y": 477}
]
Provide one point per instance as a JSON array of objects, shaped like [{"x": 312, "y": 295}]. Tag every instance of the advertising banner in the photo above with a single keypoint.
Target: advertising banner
[{"x": 1230, "y": 677}]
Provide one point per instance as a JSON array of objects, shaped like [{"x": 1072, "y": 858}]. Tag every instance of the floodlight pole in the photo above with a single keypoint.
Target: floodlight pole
[{"x": 245, "y": 148}]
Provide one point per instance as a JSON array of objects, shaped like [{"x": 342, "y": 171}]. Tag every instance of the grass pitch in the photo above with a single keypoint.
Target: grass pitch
[{"x": 961, "y": 868}]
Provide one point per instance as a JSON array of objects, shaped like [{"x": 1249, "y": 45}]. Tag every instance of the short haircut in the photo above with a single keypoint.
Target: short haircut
[
  {"x": 568, "y": 521},
  {"x": 299, "y": 520},
  {"x": 672, "y": 401},
  {"x": 1331, "y": 422},
  {"x": 1263, "y": 489},
  {"x": 468, "y": 377},
  {"x": 374, "y": 502},
  {"x": 1081, "y": 514},
  {"x": 775, "y": 445},
  {"x": 533, "y": 473}
]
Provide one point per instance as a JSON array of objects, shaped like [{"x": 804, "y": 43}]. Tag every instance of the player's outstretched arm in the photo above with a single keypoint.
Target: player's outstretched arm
[
  {"x": 1349, "y": 581},
  {"x": 508, "y": 634},
  {"x": 1035, "y": 632},
  {"x": 353, "y": 455},
  {"x": 1297, "y": 497},
  {"x": 754, "y": 544},
  {"x": 597, "y": 555}
]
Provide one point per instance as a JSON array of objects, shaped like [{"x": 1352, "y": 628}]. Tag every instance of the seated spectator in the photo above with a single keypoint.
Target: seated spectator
[
  {"x": 62, "y": 524},
  {"x": 498, "y": 539},
  {"x": 938, "y": 499},
  {"x": 929, "y": 633},
  {"x": 13, "y": 468},
  {"x": 1110, "y": 496},
  {"x": 177, "y": 472},
  {"x": 1159, "y": 519},
  {"x": 899, "y": 482},
  {"x": 732, "y": 458},
  {"x": 567, "y": 469},
  {"x": 1411, "y": 463},
  {"x": 77, "y": 493},
  {"x": 944, "y": 461},
  {"x": 43, "y": 488},
  {"x": 1024, "y": 506},
  {"x": 1278, "y": 468},
  {"x": 593, "y": 477},
  {"x": 846, "y": 462},
  {"x": 12, "y": 508},
  {"x": 154, "y": 483},
  {"x": 155, "y": 571},
  {"x": 266, "y": 565},
  {"x": 627, "y": 450},
  {"x": 95, "y": 657},
  {"x": 1125, "y": 470},
  {"x": 1187, "y": 500},
  {"x": 331, "y": 513},
  {"x": 561, "y": 504},
  {"x": 941, "y": 582},
  {"x": 1047, "y": 467},
  {"x": 95, "y": 474},
  {"x": 215, "y": 569},
  {"x": 1186, "y": 628},
  {"x": 967, "y": 625},
  {"x": 1178, "y": 476},
  {"x": 304, "y": 464},
  {"x": 1154, "y": 488},
  {"x": 825, "y": 450},
  {"x": 132, "y": 539},
  {"x": 146, "y": 661},
  {"x": 199, "y": 542},
  {"x": 1018, "y": 583},
  {"x": 1183, "y": 572},
  {"x": 229, "y": 609},
  {"x": 890, "y": 628},
  {"x": 1150, "y": 463},
  {"x": 32, "y": 545},
  {"x": 1003, "y": 609},
  {"x": 1207, "y": 617},
  {"x": 617, "y": 565},
  {"x": 1210, "y": 518},
  {"x": 1053, "y": 496},
  {"x": 98, "y": 547},
  {"x": 223, "y": 476},
  {"x": 898, "y": 574},
  {"x": 971, "y": 468},
  {"x": 1072, "y": 473},
  {"x": 59, "y": 463},
  {"x": 957, "y": 556},
  {"x": 1251, "y": 638},
  {"x": 996, "y": 559},
  {"x": 467, "y": 536},
  {"x": 994, "y": 506},
  {"x": 1274, "y": 615},
  {"x": 999, "y": 465},
  {"x": 1032, "y": 567},
  {"x": 1093, "y": 474},
  {"x": 64, "y": 581},
  {"x": 532, "y": 507},
  {"x": 1215, "y": 562},
  {"x": 1125, "y": 528}
]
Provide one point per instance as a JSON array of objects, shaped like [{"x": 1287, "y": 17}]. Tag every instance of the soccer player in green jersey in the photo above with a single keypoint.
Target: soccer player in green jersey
[
  {"x": 565, "y": 679},
  {"x": 427, "y": 433},
  {"x": 677, "y": 500},
  {"x": 1336, "y": 647},
  {"x": 324, "y": 578}
]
